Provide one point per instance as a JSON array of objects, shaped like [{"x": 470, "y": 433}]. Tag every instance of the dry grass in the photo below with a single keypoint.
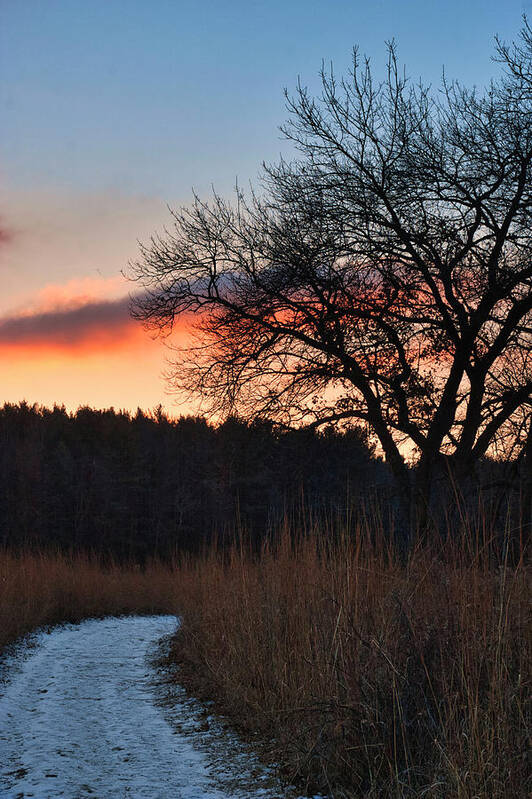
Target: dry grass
[
  {"x": 363, "y": 675},
  {"x": 43, "y": 589},
  {"x": 369, "y": 677}
]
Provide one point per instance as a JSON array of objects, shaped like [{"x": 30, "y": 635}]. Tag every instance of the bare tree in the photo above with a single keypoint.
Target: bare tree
[{"x": 383, "y": 277}]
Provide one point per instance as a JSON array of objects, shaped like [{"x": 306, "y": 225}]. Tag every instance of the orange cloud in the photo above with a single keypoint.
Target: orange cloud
[
  {"x": 76, "y": 343},
  {"x": 76, "y": 318},
  {"x": 92, "y": 323},
  {"x": 79, "y": 316}
]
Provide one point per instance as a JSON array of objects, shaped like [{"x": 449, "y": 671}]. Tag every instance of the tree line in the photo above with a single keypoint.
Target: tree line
[{"x": 144, "y": 484}]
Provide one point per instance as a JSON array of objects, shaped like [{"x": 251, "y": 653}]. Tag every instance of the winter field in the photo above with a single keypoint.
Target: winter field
[{"x": 352, "y": 672}]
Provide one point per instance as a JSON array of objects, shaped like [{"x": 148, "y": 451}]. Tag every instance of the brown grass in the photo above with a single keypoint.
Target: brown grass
[
  {"x": 44, "y": 589},
  {"x": 363, "y": 675},
  {"x": 368, "y": 677}
]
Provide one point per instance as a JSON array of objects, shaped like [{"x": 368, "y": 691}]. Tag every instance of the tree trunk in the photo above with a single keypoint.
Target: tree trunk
[
  {"x": 402, "y": 496},
  {"x": 421, "y": 499},
  {"x": 460, "y": 496},
  {"x": 526, "y": 508}
]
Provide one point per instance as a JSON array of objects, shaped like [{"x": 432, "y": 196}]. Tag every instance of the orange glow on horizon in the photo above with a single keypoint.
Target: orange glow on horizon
[
  {"x": 126, "y": 377},
  {"x": 85, "y": 361}
]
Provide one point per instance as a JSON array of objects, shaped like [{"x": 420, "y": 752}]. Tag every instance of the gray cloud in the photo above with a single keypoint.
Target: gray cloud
[{"x": 69, "y": 327}]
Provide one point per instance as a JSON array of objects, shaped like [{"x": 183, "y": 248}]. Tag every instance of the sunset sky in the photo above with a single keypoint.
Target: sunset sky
[{"x": 113, "y": 109}]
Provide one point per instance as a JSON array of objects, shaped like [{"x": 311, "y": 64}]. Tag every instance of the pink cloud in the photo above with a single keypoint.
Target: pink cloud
[
  {"x": 6, "y": 235},
  {"x": 77, "y": 292}
]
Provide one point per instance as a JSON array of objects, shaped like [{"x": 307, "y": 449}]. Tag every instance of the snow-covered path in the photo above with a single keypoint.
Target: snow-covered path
[{"x": 79, "y": 718}]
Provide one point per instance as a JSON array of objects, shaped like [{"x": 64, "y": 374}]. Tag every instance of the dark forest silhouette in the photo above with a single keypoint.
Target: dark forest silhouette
[
  {"x": 141, "y": 485},
  {"x": 133, "y": 486}
]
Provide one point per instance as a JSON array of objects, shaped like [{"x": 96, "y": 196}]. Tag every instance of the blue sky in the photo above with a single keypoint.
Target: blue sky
[
  {"x": 111, "y": 109},
  {"x": 158, "y": 96}
]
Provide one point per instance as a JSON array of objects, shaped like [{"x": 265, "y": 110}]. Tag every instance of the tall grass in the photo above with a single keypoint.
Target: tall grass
[
  {"x": 368, "y": 676},
  {"x": 39, "y": 589},
  {"x": 362, "y": 674}
]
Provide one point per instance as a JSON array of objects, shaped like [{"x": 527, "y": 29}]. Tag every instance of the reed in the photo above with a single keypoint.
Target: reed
[
  {"x": 362, "y": 674},
  {"x": 38, "y": 589}
]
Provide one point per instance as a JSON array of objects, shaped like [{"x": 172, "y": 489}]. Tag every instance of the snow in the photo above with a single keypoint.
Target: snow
[{"x": 84, "y": 713}]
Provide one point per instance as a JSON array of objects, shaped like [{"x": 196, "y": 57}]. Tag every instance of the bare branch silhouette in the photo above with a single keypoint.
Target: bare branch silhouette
[{"x": 384, "y": 276}]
